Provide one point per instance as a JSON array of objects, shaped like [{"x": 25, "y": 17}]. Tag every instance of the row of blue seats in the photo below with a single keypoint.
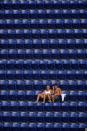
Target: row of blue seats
[
  {"x": 44, "y": 61},
  {"x": 43, "y": 114},
  {"x": 38, "y": 35},
  {"x": 35, "y": 92},
  {"x": 40, "y": 11},
  {"x": 42, "y": 1},
  {"x": 43, "y": 119},
  {"x": 65, "y": 72},
  {"x": 30, "y": 103},
  {"x": 44, "y": 76},
  {"x": 44, "y": 16},
  {"x": 43, "y": 41},
  {"x": 43, "y": 82},
  {"x": 42, "y": 31},
  {"x": 63, "y": 66},
  {"x": 31, "y": 95},
  {"x": 45, "y": 35},
  {"x": 43, "y": 5},
  {"x": 45, "y": 26},
  {"x": 45, "y": 72},
  {"x": 43, "y": 66},
  {"x": 42, "y": 46},
  {"x": 43, "y": 51},
  {"x": 42, "y": 21},
  {"x": 45, "y": 107},
  {"x": 43, "y": 125},
  {"x": 65, "y": 86},
  {"x": 51, "y": 56},
  {"x": 45, "y": 56},
  {"x": 33, "y": 98}
]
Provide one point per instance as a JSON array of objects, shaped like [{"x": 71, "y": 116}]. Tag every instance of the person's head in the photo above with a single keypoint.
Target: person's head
[
  {"x": 48, "y": 87},
  {"x": 55, "y": 86}
]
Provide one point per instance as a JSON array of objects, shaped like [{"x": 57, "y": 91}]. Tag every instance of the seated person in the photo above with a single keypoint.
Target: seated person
[
  {"x": 45, "y": 95},
  {"x": 57, "y": 93}
]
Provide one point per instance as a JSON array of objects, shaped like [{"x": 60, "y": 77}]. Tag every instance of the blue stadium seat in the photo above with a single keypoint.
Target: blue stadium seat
[
  {"x": 66, "y": 125},
  {"x": 7, "y": 124},
  {"x": 57, "y": 125},
  {"x": 49, "y": 114},
  {"x": 74, "y": 125},
  {"x": 40, "y": 114},
  {"x": 49, "y": 125},
  {"x": 82, "y": 125},
  {"x": 32, "y": 125},
  {"x": 57, "y": 114}
]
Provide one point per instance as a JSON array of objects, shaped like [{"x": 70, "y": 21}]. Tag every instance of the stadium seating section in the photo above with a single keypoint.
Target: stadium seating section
[{"x": 43, "y": 42}]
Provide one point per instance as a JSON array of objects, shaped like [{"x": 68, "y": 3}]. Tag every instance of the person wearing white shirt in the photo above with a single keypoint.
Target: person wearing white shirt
[{"x": 45, "y": 95}]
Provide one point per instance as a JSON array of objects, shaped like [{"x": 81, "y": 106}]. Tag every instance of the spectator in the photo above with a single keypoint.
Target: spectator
[
  {"x": 57, "y": 93},
  {"x": 45, "y": 95}
]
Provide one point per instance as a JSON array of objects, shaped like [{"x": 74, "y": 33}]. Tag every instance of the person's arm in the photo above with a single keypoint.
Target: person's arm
[
  {"x": 60, "y": 91},
  {"x": 52, "y": 91},
  {"x": 44, "y": 91}
]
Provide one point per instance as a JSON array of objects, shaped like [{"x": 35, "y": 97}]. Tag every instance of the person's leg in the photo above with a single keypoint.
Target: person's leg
[
  {"x": 52, "y": 98},
  {"x": 38, "y": 97},
  {"x": 49, "y": 98},
  {"x": 59, "y": 99},
  {"x": 44, "y": 98}
]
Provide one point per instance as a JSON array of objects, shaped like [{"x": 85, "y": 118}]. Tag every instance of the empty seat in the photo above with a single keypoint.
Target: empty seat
[
  {"x": 57, "y": 125},
  {"x": 41, "y": 114},
  {"x": 32, "y": 125},
  {"x": 74, "y": 125},
  {"x": 49, "y": 125},
  {"x": 66, "y": 125}
]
